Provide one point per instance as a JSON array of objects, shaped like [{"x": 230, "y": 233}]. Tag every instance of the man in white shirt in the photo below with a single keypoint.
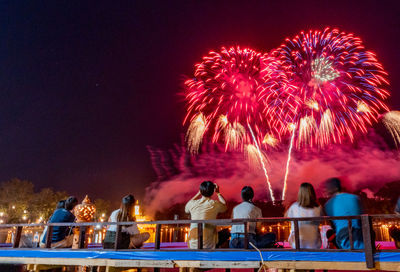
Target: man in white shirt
[
  {"x": 202, "y": 209},
  {"x": 247, "y": 210}
]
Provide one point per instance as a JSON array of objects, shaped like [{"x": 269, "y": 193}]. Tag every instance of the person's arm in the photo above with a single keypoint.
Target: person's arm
[
  {"x": 220, "y": 197},
  {"x": 196, "y": 196},
  {"x": 189, "y": 204}
]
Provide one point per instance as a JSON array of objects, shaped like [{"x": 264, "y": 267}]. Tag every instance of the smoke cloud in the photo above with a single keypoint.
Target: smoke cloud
[{"x": 369, "y": 165}]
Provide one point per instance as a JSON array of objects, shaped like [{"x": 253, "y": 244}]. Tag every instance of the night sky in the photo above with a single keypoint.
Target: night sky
[{"x": 85, "y": 86}]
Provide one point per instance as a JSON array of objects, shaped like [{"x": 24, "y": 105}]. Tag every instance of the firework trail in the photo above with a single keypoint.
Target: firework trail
[
  {"x": 293, "y": 127},
  {"x": 391, "y": 120},
  {"x": 230, "y": 89},
  {"x": 340, "y": 87},
  {"x": 262, "y": 163}
]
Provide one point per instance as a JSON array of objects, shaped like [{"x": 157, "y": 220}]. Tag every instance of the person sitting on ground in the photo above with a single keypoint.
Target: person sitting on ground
[
  {"x": 246, "y": 210},
  {"x": 306, "y": 206},
  {"x": 130, "y": 235},
  {"x": 62, "y": 236},
  {"x": 202, "y": 209},
  {"x": 343, "y": 204}
]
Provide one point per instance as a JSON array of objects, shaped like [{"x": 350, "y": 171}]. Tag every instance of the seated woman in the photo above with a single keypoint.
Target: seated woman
[
  {"x": 131, "y": 236},
  {"x": 306, "y": 206}
]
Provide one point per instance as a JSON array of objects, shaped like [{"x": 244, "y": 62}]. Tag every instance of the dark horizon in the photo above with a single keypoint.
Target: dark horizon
[{"x": 86, "y": 86}]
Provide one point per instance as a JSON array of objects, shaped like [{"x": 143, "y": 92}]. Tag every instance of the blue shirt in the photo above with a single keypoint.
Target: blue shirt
[
  {"x": 397, "y": 209},
  {"x": 343, "y": 204},
  {"x": 60, "y": 216}
]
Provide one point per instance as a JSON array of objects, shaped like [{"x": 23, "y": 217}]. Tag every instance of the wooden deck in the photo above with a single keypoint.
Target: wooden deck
[{"x": 158, "y": 258}]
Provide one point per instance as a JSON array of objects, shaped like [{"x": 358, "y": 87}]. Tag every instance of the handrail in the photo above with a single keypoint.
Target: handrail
[
  {"x": 209, "y": 221},
  {"x": 365, "y": 220}
]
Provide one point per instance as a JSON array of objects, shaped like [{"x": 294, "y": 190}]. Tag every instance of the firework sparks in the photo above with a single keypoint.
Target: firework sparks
[
  {"x": 339, "y": 84},
  {"x": 230, "y": 88},
  {"x": 252, "y": 156},
  {"x": 262, "y": 163},
  {"x": 270, "y": 140},
  {"x": 293, "y": 127},
  {"x": 391, "y": 120},
  {"x": 362, "y": 107},
  {"x": 195, "y": 133}
]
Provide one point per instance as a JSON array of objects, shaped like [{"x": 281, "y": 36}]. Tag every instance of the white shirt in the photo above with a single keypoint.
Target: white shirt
[
  {"x": 310, "y": 236},
  {"x": 245, "y": 210},
  {"x": 133, "y": 229}
]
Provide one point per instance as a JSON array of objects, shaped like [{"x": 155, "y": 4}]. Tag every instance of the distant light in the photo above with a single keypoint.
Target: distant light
[
  {"x": 25, "y": 211},
  {"x": 103, "y": 215},
  {"x": 24, "y": 217},
  {"x": 1, "y": 214},
  {"x": 13, "y": 207}
]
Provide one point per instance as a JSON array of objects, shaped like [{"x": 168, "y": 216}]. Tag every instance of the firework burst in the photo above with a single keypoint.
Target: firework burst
[
  {"x": 340, "y": 87},
  {"x": 230, "y": 89}
]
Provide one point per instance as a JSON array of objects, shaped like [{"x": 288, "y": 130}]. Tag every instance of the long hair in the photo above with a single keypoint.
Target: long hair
[
  {"x": 126, "y": 211},
  {"x": 306, "y": 196}
]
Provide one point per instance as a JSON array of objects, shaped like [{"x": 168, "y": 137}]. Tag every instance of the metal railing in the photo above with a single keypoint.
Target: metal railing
[{"x": 366, "y": 228}]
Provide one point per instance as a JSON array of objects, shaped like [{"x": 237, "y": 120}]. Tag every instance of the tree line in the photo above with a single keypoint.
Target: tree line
[{"x": 21, "y": 203}]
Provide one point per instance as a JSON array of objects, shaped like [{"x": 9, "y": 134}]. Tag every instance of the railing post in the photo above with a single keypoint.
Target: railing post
[
  {"x": 49, "y": 236},
  {"x": 158, "y": 236},
  {"x": 350, "y": 230},
  {"x": 369, "y": 243},
  {"x": 82, "y": 236},
  {"x": 118, "y": 237},
  {"x": 200, "y": 236},
  {"x": 17, "y": 237},
  {"x": 296, "y": 234},
  {"x": 246, "y": 234}
]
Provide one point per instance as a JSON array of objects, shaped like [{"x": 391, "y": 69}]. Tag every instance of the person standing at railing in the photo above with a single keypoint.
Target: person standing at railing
[
  {"x": 131, "y": 236},
  {"x": 61, "y": 236},
  {"x": 395, "y": 231},
  {"x": 204, "y": 208},
  {"x": 306, "y": 206},
  {"x": 343, "y": 204},
  {"x": 247, "y": 210}
]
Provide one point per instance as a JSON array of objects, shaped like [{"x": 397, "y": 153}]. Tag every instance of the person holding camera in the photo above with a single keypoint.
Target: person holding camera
[{"x": 202, "y": 207}]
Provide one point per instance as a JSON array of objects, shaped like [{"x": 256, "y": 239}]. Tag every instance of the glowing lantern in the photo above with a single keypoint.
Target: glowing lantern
[{"x": 84, "y": 212}]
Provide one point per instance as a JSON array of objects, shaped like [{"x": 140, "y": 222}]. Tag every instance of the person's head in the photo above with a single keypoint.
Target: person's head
[
  {"x": 306, "y": 197},
  {"x": 247, "y": 194},
  {"x": 126, "y": 212},
  {"x": 332, "y": 186},
  {"x": 207, "y": 188},
  {"x": 70, "y": 203},
  {"x": 61, "y": 204}
]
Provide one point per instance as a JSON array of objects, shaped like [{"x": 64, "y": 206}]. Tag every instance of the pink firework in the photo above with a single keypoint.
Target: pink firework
[
  {"x": 228, "y": 96},
  {"x": 340, "y": 87}
]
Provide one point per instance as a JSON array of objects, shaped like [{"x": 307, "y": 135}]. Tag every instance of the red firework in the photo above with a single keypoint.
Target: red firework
[
  {"x": 228, "y": 94},
  {"x": 340, "y": 87}
]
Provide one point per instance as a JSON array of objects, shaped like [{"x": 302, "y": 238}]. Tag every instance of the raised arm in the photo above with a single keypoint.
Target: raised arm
[
  {"x": 190, "y": 202},
  {"x": 196, "y": 196},
  {"x": 220, "y": 197}
]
